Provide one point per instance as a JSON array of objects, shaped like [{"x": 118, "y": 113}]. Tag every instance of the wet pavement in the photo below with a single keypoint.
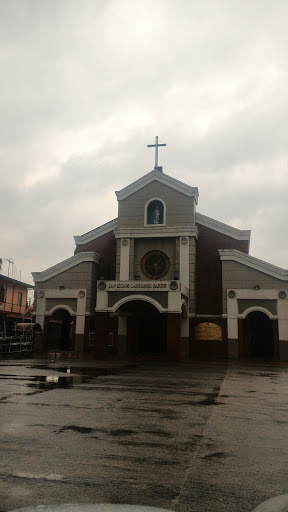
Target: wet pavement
[{"x": 194, "y": 436}]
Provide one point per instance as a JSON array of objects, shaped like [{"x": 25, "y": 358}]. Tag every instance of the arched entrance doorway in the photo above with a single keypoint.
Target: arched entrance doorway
[
  {"x": 146, "y": 328},
  {"x": 59, "y": 335},
  {"x": 258, "y": 330}
]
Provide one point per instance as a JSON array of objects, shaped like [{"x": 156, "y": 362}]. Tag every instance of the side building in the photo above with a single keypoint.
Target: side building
[
  {"x": 162, "y": 280},
  {"x": 13, "y": 303}
]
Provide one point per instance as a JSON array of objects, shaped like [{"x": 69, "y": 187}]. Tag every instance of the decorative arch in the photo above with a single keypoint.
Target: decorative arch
[
  {"x": 60, "y": 327},
  {"x": 131, "y": 298},
  {"x": 258, "y": 335},
  {"x": 257, "y": 308},
  {"x": 155, "y": 212},
  {"x": 61, "y": 306}
]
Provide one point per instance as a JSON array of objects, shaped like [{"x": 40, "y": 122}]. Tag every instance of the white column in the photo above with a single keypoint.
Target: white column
[
  {"x": 124, "y": 259},
  {"x": 232, "y": 318},
  {"x": 40, "y": 312},
  {"x": 184, "y": 260},
  {"x": 80, "y": 319},
  {"x": 174, "y": 302},
  {"x": 282, "y": 307}
]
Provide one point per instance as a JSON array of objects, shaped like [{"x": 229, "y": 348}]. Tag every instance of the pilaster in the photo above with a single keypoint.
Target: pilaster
[
  {"x": 184, "y": 260},
  {"x": 124, "y": 259}
]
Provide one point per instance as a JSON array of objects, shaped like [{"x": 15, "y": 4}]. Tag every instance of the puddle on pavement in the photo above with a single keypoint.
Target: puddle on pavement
[
  {"x": 121, "y": 432},
  {"x": 5, "y": 376},
  {"x": 47, "y": 382},
  {"x": 266, "y": 374},
  {"x": 140, "y": 444},
  {"x": 73, "y": 376},
  {"x": 215, "y": 455},
  {"x": 210, "y": 399},
  {"x": 85, "y": 371},
  {"x": 84, "y": 375},
  {"x": 75, "y": 428}
]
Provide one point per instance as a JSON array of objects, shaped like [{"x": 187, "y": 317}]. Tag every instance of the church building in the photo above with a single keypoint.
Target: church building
[{"x": 163, "y": 281}]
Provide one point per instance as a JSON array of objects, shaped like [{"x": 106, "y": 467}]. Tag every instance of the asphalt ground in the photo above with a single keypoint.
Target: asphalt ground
[{"x": 195, "y": 436}]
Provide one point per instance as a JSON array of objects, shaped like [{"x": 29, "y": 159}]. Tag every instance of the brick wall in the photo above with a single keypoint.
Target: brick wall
[
  {"x": 209, "y": 269},
  {"x": 105, "y": 246}
]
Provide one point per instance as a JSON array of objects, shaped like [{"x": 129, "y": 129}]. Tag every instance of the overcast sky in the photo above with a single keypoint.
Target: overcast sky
[{"x": 86, "y": 85}]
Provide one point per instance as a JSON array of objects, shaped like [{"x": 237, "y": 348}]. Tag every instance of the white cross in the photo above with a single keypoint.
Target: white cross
[{"x": 156, "y": 146}]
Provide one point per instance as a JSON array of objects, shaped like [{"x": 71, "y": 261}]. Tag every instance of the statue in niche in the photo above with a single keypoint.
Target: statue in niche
[{"x": 156, "y": 215}]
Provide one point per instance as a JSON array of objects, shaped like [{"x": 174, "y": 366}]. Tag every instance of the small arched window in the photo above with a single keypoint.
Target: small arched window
[{"x": 155, "y": 213}]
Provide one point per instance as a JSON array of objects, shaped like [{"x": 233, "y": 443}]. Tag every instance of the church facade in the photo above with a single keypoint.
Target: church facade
[{"x": 163, "y": 281}]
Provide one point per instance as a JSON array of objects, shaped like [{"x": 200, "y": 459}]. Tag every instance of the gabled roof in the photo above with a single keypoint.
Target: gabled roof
[
  {"x": 7, "y": 279},
  {"x": 250, "y": 261},
  {"x": 112, "y": 225},
  {"x": 161, "y": 178},
  {"x": 237, "y": 234},
  {"x": 96, "y": 233},
  {"x": 81, "y": 257}
]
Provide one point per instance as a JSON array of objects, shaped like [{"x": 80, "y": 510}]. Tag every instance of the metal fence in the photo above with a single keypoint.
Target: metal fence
[{"x": 16, "y": 344}]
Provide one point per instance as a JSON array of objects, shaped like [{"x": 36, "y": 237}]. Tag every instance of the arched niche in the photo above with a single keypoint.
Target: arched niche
[{"x": 155, "y": 212}]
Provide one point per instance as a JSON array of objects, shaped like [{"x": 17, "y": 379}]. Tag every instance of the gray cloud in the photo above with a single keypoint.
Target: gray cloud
[{"x": 84, "y": 89}]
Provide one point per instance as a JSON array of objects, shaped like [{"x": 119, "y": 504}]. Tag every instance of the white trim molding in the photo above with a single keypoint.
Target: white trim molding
[
  {"x": 161, "y": 178},
  {"x": 263, "y": 294},
  {"x": 41, "y": 311},
  {"x": 60, "y": 306},
  {"x": 201, "y": 219},
  {"x": 258, "y": 308},
  {"x": 216, "y": 225},
  {"x": 131, "y": 298},
  {"x": 255, "y": 263},
  {"x": 134, "y": 289},
  {"x": 96, "y": 233},
  {"x": 161, "y": 231},
  {"x": 81, "y": 257}
]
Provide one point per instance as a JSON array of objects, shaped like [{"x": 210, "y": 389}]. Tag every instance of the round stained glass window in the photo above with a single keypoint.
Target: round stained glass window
[{"x": 155, "y": 264}]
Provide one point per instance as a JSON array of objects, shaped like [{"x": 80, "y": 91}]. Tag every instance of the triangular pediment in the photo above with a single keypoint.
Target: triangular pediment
[
  {"x": 65, "y": 265},
  {"x": 220, "y": 227},
  {"x": 254, "y": 263},
  {"x": 161, "y": 178}
]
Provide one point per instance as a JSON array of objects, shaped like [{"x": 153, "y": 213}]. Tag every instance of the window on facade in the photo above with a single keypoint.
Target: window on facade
[
  {"x": 19, "y": 300},
  {"x": 91, "y": 338},
  {"x": 2, "y": 293},
  {"x": 155, "y": 212}
]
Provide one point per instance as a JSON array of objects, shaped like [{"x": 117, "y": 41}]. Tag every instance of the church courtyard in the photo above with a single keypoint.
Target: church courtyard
[{"x": 193, "y": 436}]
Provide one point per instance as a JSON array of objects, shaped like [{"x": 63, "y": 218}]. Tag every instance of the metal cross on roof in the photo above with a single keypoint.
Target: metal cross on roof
[{"x": 156, "y": 146}]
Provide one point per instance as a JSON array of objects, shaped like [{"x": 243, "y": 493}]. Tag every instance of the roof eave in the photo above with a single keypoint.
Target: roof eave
[{"x": 161, "y": 178}]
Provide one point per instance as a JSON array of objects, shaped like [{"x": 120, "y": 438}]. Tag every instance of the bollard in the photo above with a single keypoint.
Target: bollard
[{"x": 276, "y": 504}]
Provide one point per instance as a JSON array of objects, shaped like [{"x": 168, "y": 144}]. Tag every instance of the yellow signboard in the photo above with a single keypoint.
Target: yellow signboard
[{"x": 208, "y": 331}]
